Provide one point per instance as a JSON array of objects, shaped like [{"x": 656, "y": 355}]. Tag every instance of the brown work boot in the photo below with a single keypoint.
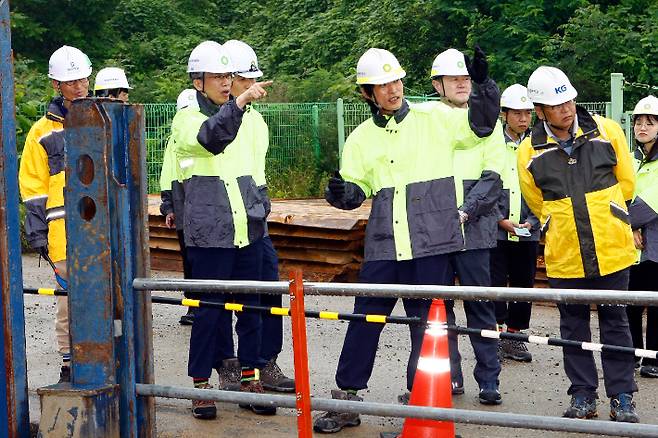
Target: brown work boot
[
  {"x": 229, "y": 374},
  {"x": 273, "y": 378},
  {"x": 204, "y": 409},
  {"x": 332, "y": 422},
  {"x": 256, "y": 386}
]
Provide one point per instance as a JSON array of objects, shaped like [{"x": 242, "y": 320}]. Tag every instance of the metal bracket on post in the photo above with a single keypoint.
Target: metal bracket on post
[
  {"x": 340, "y": 124},
  {"x": 14, "y": 412},
  {"x": 616, "y": 97},
  {"x": 302, "y": 385},
  {"x": 104, "y": 221}
]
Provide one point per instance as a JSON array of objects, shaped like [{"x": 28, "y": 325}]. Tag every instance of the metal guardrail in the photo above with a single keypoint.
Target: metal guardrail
[
  {"x": 523, "y": 421},
  {"x": 502, "y": 419},
  {"x": 384, "y": 319},
  {"x": 571, "y": 296}
]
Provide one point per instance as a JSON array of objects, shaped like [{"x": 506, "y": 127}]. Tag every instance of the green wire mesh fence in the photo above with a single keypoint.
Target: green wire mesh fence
[{"x": 304, "y": 137}]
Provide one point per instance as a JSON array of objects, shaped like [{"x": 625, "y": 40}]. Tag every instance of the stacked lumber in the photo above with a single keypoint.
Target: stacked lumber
[
  {"x": 307, "y": 233},
  {"x": 326, "y": 243}
]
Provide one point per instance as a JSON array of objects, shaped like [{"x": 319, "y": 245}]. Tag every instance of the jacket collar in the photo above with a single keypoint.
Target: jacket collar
[
  {"x": 587, "y": 129},
  {"x": 509, "y": 139},
  {"x": 206, "y": 106},
  {"x": 56, "y": 110},
  {"x": 381, "y": 120},
  {"x": 641, "y": 156}
]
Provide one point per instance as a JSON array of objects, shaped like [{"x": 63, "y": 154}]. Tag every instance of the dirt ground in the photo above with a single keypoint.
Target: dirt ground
[{"x": 535, "y": 388}]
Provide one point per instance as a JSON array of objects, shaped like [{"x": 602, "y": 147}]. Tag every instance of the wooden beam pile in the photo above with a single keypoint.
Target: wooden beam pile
[
  {"x": 325, "y": 242},
  {"x": 308, "y": 233}
]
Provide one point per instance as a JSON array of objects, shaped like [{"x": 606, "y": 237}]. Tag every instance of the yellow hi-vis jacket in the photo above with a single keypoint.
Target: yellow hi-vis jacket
[
  {"x": 41, "y": 181},
  {"x": 221, "y": 166},
  {"x": 581, "y": 198},
  {"x": 406, "y": 163}
]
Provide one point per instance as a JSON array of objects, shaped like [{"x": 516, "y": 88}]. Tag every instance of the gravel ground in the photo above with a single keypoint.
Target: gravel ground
[{"x": 535, "y": 388}]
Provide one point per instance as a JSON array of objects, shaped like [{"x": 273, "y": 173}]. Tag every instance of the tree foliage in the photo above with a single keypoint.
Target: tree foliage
[{"x": 310, "y": 47}]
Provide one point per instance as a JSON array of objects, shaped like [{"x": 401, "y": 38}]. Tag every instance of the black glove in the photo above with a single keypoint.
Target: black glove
[
  {"x": 337, "y": 186},
  {"x": 478, "y": 68}
]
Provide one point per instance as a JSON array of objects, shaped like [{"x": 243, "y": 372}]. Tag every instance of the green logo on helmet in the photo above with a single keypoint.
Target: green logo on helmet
[
  {"x": 523, "y": 99},
  {"x": 647, "y": 106},
  {"x": 224, "y": 60},
  {"x": 460, "y": 64},
  {"x": 387, "y": 68}
]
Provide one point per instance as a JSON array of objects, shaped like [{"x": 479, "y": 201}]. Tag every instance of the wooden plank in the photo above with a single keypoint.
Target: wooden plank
[
  {"x": 160, "y": 243},
  {"x": 315, "y": 233},
  {"x": 160, "y": 264},
  {"x": 321, "y": 256},
  {"x": 303, "y": 242},
  {"x": 165, "y": 254},
  {"x": 164, "y": 233}
]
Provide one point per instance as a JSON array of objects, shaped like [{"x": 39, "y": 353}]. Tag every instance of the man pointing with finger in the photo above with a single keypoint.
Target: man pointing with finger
[{"x": 223, "y": 218}]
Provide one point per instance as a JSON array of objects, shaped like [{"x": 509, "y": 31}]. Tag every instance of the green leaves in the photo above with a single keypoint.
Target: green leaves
[{"x": 310, "y": 47}]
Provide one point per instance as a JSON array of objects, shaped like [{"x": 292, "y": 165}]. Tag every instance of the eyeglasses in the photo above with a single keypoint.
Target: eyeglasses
[
  {"x": 74, "y": 82},
  {"x": 219, "y": 76}
]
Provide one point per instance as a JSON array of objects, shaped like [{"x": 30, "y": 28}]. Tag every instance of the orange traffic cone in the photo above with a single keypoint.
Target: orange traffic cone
[{"x": 432, "y": 385}]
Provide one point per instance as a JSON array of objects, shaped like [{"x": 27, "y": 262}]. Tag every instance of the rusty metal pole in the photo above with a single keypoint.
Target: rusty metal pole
[
  {"x": 105, "y": 225},
  {"x": 14, "y": 411},
  {"x": 302, "y": 385}
]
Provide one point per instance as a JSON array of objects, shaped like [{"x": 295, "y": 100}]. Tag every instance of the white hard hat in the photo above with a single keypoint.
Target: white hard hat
[
  {"x": 109, "y": 78},
  {"x": 209, "y": 57},
  {"x": 450, "y": 62},
  {"x": 516, "y": 97},
  {"x": 378, "y": 66},
  {"x": 186, "y": 98},
  {"x": 647, "y": 105},
  {"x": 68, "y": 64},
  {"x": 244, "y": 59},
  {"x": 550, "y": 86}
]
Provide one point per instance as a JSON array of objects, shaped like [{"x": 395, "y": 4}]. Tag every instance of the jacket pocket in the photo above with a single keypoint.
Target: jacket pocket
[
  {"x": 380, "y": 240},
  {"x": 619, "y": 212}
]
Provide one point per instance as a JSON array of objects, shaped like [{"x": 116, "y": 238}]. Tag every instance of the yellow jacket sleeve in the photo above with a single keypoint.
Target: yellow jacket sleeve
[
  {"x": 531, "y": 193},
  {"x": 34, "y": 173},
  {"x": 624, "y": 170}
]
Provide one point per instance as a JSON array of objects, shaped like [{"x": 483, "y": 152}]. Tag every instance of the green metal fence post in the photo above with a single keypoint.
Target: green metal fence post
[
  {"x": 340, "y": 125},
  {"x": 616, "y": 96},
  {"x": 315, "y": 115}
]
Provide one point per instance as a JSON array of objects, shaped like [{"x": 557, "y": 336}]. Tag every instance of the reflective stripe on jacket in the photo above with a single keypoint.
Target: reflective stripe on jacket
[
  {"x": 406, "y": 163},
  {"x": 644, "y": 208},
  {"x": 41, "y": 181},
  {"x": 581, "y": 198},
  {"x": 512, "y": 206},
  {"x": 217, "y": 164}
]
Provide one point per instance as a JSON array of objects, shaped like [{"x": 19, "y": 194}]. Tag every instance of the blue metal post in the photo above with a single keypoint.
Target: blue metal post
[
  {"x": 14, "y": 411},
  {"x": 106, "y": 247}
]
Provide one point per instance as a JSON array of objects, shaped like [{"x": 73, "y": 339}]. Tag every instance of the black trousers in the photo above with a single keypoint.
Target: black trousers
[
  {"x": 472, "y": 268},
  {"x": 643, "y": 278},
  {"x": 579, "y": 365},
  {"x": 211, "y": 339},
  {"x": 514, "y": 264},
  {"x": 357, "y": 358},
  {"x": 272, "y": 343}
]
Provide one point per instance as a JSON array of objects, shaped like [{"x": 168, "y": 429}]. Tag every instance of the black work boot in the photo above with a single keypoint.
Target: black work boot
[
  {"x": 188, "y": 318},
  {"x": 273, "y": 378},
  {"x": 622, "y": 408},
  {"x": 515, "y": 350},
  {"x": 256, "y": 386},
  {"x": 581, "y": 407},
  {"x": 204, "y": 409},
  {"x": 229, "y": 374},
  {"x": 332, "y": 422}
]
